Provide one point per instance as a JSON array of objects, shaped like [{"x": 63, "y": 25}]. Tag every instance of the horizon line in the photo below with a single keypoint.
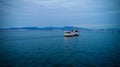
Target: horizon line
[{"x": 57, "y": 26}]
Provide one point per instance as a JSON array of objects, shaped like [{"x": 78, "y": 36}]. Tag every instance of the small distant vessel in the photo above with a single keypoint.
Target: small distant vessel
[{"x": 71, "y": 33}]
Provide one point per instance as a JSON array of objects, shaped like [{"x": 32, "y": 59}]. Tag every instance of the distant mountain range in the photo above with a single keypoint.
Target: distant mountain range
[{"x": 65, "y": 28}]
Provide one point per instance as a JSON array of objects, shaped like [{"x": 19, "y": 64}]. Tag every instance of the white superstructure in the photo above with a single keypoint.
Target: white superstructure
[{"x": 71, "y": 33}]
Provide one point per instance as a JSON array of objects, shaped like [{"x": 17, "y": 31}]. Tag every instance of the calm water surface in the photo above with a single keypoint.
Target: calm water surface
[{"x": 52, "y": 49}]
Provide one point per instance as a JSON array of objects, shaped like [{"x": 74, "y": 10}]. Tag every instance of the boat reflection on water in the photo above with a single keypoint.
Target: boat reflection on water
[
  {"x": 70, "y": 40},
  {"x": 70, "y": 44},
  {"x": 66, "y": 38}
]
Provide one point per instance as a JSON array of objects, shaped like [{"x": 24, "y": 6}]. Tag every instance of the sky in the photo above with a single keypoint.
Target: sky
[{"x": 43, "y": 13}]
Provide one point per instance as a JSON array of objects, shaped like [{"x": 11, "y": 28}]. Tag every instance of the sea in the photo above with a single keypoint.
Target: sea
[{"x": 52, "y": 49}]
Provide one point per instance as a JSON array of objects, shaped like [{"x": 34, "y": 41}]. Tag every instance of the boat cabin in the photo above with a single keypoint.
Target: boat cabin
[{"x": 71, "y": 33}]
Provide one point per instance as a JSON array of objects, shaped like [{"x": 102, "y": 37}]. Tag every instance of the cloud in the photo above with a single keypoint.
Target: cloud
[
  {"x": 58, "y": 12},
  {"x": 77, "y": 6}
]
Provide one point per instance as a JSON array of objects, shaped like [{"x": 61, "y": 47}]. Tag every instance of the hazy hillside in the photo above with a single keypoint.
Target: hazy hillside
[{"x": 65, "y": 28}]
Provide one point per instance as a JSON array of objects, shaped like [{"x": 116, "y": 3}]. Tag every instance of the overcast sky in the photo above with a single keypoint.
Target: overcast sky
[{"x": 42, "y": 13}]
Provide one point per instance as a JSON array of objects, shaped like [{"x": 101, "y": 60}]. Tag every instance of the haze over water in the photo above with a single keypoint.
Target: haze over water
[{"x": 52, "y": 49}]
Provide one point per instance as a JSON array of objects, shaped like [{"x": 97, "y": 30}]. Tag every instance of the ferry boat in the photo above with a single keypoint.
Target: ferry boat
[{"x": 71, "y": 33}]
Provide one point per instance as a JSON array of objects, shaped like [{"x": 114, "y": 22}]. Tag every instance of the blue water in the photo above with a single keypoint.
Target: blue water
[{"x": 52, "y": 49}]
